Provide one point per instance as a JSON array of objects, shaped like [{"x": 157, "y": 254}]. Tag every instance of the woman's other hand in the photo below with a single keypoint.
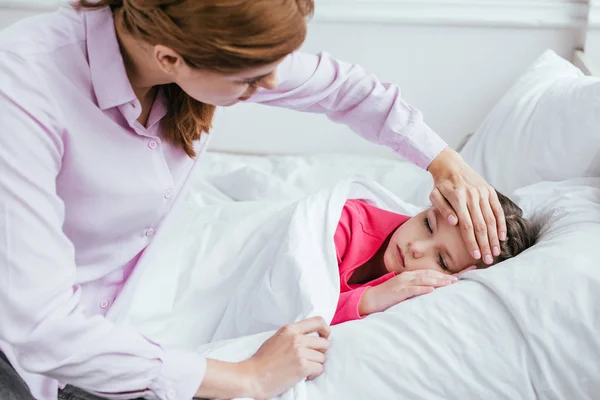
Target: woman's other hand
[
  {"x": 289, "y": 356},
  {"x": 402, "y": 287},
  {"x": 461, "y": 192}
]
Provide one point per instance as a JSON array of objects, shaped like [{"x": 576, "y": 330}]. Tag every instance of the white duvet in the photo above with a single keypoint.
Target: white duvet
[{"x": 526, "y": 329}]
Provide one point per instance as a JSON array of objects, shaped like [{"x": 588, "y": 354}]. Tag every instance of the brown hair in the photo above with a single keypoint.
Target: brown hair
[
  {"x": 221, "y": 35},
  {"x": 522, "y": 233}
]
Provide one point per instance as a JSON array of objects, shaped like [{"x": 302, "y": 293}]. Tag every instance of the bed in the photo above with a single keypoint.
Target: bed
[{"x": 526, "y": 329}]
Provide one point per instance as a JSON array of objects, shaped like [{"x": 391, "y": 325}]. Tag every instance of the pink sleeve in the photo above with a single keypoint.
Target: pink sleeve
[
  {"x": 343, "y": 233},
  {"x": 347, "y": 308},
  {"x": 41, "y": 317},
  {"x": 348, "y": 94}
]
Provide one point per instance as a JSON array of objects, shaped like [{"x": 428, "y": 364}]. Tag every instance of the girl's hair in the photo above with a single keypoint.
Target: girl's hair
[
  {"x": 220, "y": 35},
  {"x": 521, "y": 234}
]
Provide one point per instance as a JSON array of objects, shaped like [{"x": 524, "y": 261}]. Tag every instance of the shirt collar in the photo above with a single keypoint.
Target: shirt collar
[{"x": 109, "y": 78}]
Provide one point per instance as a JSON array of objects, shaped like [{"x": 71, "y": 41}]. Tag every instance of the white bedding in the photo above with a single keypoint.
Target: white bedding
[{"x": 526, "y": 329}]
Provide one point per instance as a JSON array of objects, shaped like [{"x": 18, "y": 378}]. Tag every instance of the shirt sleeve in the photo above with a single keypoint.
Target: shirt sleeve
[
  {"x": 348, "y": 94},
  {"x": 347, "y": 308},
  {"x": 40, "y": 315},
  {"x": 343, "y": 233}
]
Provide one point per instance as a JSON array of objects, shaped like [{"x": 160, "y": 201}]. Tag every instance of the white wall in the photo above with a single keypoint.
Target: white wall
[
  {"x": 592, "y": 45},
  {"x": 13, "y": 10},
  {"x": 452, "y": 58}
]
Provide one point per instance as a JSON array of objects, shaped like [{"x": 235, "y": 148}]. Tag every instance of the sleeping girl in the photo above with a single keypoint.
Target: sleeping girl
[{"x": 385, "y": 258}]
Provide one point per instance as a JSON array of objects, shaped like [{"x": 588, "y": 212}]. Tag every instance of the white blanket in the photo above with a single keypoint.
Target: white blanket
[{"x": 226, "y": 271}]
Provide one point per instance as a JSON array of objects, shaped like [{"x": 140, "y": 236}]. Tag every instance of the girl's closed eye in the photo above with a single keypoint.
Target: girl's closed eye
[{"x": 440, "y": 258}]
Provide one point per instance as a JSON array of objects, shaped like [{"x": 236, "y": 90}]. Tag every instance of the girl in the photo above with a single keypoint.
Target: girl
[
  {"x": 385, "y": 258},
  {"x": 105, "y": 107}
]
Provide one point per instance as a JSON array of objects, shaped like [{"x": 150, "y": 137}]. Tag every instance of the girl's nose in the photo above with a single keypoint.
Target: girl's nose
[{"x": 418, "y": 249}]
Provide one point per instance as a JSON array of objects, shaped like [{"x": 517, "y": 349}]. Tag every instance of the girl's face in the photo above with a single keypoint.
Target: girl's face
[
  {"x": 221, "y": 89},
  {"x": 427, "y": 241}
]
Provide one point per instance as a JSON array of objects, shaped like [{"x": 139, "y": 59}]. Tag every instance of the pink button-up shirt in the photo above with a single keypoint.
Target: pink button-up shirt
[{"x": 84, "y": 187}]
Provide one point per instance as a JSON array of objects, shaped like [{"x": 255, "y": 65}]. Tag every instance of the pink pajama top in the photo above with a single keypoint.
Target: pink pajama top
[
  {"x": 362, "y": 230},
  {"x": 84, "y": 187}
]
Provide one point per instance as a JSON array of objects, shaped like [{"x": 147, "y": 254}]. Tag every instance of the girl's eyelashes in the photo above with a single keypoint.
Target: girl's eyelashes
[
  {"x": 442, "y": 263},
  {"x": 427, "y": 225},
  {"x": 440, "y": 258}
]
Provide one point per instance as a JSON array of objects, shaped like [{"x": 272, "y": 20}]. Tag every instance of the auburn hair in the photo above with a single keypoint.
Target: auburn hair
[{"x": 220, "y": 35}]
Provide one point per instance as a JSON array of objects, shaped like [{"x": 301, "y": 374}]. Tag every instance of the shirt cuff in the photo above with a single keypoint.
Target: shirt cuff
[
  {"x": 354, "y": 300},
  {"x": 421, "y": 145},
  {"x": 180, "y": 376}
]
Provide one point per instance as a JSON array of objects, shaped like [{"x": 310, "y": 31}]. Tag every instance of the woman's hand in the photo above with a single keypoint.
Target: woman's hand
[
  {"x": 402, "y": 287},
  {"x": 461, "y": 192},
  {"x": 288, "y": 357}
]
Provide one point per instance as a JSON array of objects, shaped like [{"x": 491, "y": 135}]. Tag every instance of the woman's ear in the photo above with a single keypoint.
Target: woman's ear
[{"x": 168, "y": 60}]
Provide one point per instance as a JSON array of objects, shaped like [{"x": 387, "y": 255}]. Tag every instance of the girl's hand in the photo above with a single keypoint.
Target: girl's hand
[
  {"x": 401, "y": 287},
  {"x": 288, "y": 357},
  {"x": 461, "y": 192}
]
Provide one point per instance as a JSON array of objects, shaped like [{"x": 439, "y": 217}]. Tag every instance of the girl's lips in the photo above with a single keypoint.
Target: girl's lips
[{"x": 400, "y": 256}]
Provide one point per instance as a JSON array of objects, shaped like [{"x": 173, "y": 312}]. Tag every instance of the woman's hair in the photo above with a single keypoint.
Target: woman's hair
[
  {"x": 521, "y": 234},
  {"x": 220, "y": 35}
]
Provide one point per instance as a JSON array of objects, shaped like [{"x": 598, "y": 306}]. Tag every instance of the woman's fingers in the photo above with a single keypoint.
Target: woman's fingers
[
  {"x": 491, "y": 228},
  {"x": 474, "y": 201},
  {"x": 315, "y": 360},
  {"x": 441, "y": 204},
  {"x": 479, "y": 225},
  {"x": 314, "y": 356},
  {"x": 498, "y": 214},
  {"x": 314, "y": 369},
  {"x": 317, "y": 343},
  {"x": 457, "y": 197},
  {"x": 311, "y": 325}
]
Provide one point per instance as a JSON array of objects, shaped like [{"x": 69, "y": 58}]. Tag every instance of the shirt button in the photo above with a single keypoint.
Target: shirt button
[
  {"x": 150, "y": 232},
  {"x": 104, "y": 304},
  {"x": 152, "y": 144},
  {"x": 171, "y": 393},
  {"x": 168, "y": 194}
]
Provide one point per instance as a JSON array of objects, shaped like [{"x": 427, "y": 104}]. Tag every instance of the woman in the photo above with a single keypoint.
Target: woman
[{"x": 104, "y": 109}]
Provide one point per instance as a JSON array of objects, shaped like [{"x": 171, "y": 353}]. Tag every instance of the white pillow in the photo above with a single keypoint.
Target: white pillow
[{"x": 545, "y": 128}]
